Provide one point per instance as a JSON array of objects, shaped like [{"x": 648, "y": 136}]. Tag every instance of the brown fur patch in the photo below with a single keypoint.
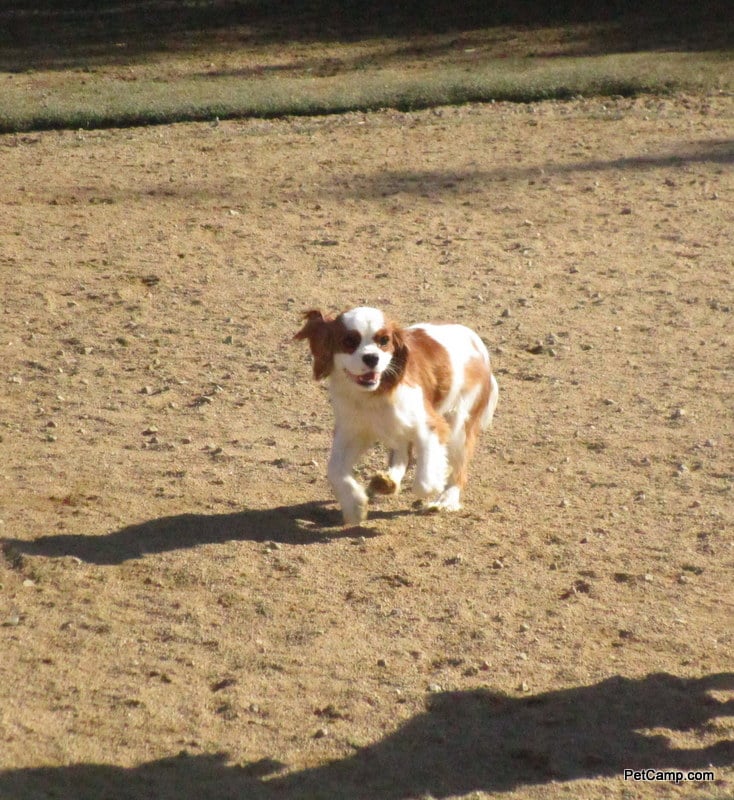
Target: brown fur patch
[
  {"x": 476, "y": 374},
  {"x": 428, "y": 366},
  {"x": 421, "y": 361}
]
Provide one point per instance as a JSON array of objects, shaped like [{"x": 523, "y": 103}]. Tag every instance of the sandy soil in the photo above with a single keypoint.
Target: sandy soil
[{"x": 182, "y": 615}]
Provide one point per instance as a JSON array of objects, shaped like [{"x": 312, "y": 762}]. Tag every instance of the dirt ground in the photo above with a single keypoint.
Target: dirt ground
[{"x": 182, "y": 614}]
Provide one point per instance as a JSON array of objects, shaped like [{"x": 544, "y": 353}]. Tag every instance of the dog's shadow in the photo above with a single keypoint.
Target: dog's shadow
[{"x": 301, "y": 524}]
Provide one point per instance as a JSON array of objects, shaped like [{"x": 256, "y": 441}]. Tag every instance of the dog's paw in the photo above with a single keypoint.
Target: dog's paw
[
  {"x": 448, "y": 500},
  {"x": 382, "y": 483},
  {"x": 355, "y": 514}
]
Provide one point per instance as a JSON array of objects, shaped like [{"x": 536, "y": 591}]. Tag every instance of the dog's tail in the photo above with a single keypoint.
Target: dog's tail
[{"x": 494, "y": 394}]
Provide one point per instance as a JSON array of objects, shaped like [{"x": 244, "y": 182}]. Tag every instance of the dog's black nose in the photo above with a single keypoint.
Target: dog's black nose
[{"x": 371, "y": 360}]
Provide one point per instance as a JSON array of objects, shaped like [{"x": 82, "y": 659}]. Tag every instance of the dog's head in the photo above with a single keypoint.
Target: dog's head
[{"x": 359, "y": 347}]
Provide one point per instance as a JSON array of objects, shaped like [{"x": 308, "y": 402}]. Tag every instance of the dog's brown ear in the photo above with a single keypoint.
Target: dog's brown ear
[
  {"x": 313, "y": 320},
  {"x": 317, "y": 329},
  {"x": 400, "y": 354},
  {"x": 394, "y": 374}
]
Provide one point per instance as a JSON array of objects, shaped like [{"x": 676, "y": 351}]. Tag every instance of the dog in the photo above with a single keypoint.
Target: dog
[{"x": 424, "y": 391}]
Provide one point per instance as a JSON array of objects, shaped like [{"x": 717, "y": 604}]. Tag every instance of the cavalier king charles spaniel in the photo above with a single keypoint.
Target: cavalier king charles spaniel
[{"x": 423, "y": 392}]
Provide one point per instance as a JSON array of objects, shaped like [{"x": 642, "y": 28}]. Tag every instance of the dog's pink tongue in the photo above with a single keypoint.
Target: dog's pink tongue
[{"x": 367, "y": 378}]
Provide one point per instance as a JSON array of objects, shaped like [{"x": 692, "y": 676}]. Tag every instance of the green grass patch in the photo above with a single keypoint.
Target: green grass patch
[{"x": 41, "y": 101}]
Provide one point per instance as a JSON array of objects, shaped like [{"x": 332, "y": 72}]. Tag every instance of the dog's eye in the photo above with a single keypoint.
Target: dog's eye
[
  {"x": 383, "y": 341},
  {"x": 351, "y": 342}
]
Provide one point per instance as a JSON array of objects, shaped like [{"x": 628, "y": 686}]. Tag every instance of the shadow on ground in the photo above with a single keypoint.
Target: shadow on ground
[
  {"x": 62, "y": 34},
  {"x": 429, "y": 182},
  {"x": 385, "y": 182},
  {"x": 307, "y": 523},
  {"x": 463, "y": 742}
]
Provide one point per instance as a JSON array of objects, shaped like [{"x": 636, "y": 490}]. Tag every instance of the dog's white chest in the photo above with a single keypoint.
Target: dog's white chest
[{"x": 391, "y": 420}]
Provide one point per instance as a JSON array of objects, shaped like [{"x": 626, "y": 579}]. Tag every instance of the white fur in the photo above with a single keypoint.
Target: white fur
[{"x": 399, "y": 420}]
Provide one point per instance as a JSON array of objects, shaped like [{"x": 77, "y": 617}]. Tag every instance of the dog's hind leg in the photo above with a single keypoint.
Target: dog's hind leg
[{"x": 450, "y": 497}]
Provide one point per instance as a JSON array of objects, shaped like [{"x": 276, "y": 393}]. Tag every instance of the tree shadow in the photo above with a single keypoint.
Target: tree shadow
[
  {"x": 58, "y": 34},
  {"x": 302, "y": 524},
  {"x": 463, "y": 742},
  {"x": 431, "y": 182}
]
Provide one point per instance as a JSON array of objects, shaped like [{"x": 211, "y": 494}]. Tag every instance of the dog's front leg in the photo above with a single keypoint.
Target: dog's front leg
[{"x": 352, "y": 498}]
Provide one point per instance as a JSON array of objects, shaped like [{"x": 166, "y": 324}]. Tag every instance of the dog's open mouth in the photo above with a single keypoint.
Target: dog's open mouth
[{"x": 367, "y": 379}]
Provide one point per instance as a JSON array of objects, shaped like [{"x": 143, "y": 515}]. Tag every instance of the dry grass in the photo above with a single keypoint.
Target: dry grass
[{"x": 273, "y": 80}]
